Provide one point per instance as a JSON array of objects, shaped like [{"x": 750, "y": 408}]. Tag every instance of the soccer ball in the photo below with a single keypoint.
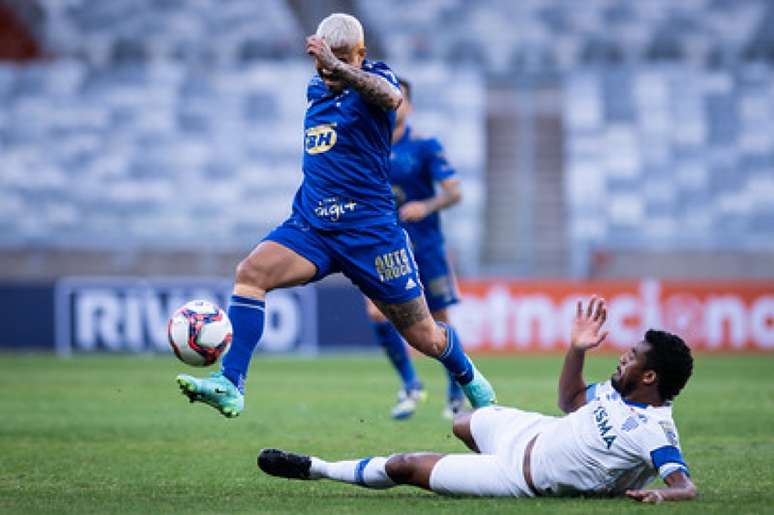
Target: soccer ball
[{"x": 199, "y": 333}]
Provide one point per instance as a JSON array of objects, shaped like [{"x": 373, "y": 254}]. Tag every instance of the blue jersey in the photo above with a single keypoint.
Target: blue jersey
[
  {"x": 416, "y": 165},
  {"x": 346, "y": 157}
]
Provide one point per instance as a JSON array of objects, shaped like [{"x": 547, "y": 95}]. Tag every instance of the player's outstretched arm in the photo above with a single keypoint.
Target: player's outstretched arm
[
  {"x": 586, "y": 334},
  {"x": 374, "y": 89},
  {"x": 679, "y": 488}
]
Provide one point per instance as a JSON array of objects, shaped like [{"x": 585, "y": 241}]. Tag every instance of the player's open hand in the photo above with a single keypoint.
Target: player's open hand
[
  {"x": 586, "y": 329},
  {"x": 649, "y": 496},
  {"x": 318, "y": 48},
  {"x": 413, "y": 211}
]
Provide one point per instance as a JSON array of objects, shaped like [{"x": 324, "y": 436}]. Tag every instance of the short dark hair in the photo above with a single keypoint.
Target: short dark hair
[
  {"x": 671, "y": 359},
  {"x": 405, "y": 85}
]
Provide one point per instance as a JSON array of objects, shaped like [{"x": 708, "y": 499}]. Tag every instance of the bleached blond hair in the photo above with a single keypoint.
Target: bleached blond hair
[{"x": 341, "y": 31}]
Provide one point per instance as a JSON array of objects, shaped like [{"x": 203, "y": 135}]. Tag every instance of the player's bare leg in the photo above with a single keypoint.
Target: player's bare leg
[
  {"x": 412, "y": 469},
  {"x": 461, "y": 429},
  {"x": 411, "y": 392},
  {"x": 269, "y": 266},
  {"x": 413, "y": 320},
  {"x": 373, "y": 312}
]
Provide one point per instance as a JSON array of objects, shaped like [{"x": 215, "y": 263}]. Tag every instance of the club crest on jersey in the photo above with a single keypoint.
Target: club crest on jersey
[
  {"x": 320, "y": 139},
  {"x": 392, "y": 265}
]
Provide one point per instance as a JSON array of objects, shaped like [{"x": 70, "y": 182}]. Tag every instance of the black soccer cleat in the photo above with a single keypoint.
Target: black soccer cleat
[{"x": 276, "y": 462}]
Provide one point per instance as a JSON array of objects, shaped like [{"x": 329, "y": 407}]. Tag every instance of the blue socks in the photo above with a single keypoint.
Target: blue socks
[
  {"x": 246, "y": 316},
  {"x": 454, "y": 358},
  {"x": 458, "y": 366},
  {"x": 396, "y": 350}
]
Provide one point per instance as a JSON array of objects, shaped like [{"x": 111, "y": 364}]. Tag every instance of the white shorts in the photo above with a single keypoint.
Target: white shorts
[{"x": 501, "y": 435}]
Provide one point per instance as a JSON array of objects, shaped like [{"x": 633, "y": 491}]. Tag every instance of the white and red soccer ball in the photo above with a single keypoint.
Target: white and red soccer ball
[{"x": 199, "y": 333}]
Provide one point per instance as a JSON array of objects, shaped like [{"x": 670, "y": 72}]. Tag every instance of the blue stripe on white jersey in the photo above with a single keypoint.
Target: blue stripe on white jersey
[{"x": 667, "y": 459}]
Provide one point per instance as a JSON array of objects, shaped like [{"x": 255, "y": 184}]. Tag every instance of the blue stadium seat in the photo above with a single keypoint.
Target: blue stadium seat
[{"x": 703, "y": 157}]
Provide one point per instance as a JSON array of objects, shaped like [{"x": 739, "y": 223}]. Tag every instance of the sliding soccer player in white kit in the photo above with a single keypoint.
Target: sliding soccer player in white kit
[{"x": 616, "y": 437}]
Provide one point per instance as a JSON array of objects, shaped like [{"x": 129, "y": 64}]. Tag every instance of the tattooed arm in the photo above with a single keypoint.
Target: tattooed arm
[{"x": 376, "y": 90}]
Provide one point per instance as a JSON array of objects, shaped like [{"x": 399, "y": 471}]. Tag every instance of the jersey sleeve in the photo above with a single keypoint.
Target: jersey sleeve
[
  {"x": 315, "y": 88},
  {"x": 383, "y": 71},
  {"x": 661, "y": 448},
  {"x": 439, "y": 166},
  {"x": 598, "y": 389},
  {"x": 668, "y": 459},
  {"x": 591, "y": 391}
]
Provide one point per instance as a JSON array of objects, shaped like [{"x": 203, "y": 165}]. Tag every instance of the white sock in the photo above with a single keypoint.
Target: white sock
[{"x": 368, "y": 472}]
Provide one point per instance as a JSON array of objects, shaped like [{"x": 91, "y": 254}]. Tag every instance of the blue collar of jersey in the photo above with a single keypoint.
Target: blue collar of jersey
[
  {"x": 643, "y": 405},
  {"x": 631, "y": 403}
]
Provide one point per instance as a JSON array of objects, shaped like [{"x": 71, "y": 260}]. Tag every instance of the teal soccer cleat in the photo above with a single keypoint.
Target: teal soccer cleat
[
  {"x": 217, "y": 391},
  {"x": 478, "y": 391}
]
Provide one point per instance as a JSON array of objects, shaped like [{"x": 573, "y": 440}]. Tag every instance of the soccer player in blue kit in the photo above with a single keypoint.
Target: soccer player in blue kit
[
  {"x": 417, "y": 163},
  {"x": 343, "y": 220}
]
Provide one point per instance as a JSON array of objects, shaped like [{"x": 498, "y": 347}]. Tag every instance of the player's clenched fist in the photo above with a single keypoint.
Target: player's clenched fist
[
  {"x": 318, "y": 48},
  {"x": 585, "y": 332}
]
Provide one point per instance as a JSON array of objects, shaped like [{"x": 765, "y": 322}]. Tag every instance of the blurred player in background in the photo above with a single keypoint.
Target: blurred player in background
[
  {"x": 343, "y": 220},
  {"x": 416, "y": 164},
  {"x": 616, "y": 437}
]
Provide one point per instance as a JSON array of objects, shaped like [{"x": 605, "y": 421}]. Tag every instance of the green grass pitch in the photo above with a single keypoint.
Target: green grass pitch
[{"x": 106, "y": 434}]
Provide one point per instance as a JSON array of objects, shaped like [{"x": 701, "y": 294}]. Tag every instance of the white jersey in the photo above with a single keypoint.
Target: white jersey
[{"x": 605, "y": 447}]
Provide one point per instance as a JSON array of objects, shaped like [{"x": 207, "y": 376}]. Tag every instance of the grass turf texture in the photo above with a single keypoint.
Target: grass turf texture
[{"x": 113, "y": 435}]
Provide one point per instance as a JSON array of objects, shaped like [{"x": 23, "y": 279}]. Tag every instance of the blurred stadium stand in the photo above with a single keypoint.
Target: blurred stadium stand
[
  {"x": 683, "y": 157},
  {"x": 601, "y": 138},
  {"x": 505, "y": 36}
]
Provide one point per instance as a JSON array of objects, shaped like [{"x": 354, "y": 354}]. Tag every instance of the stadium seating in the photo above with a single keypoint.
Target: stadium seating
[
  {"x": 171, "y": 155},
  {"x": 507, "y": 36},
  {"x": 671, "y": 157},
  {"x": 163, "y": 123},
  {"x": 136, "y": 30}
]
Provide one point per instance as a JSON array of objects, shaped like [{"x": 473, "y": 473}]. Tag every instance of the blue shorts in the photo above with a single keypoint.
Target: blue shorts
[
  {"x": 377, "y": 259},
  {"x": 437, "y": 276}
]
